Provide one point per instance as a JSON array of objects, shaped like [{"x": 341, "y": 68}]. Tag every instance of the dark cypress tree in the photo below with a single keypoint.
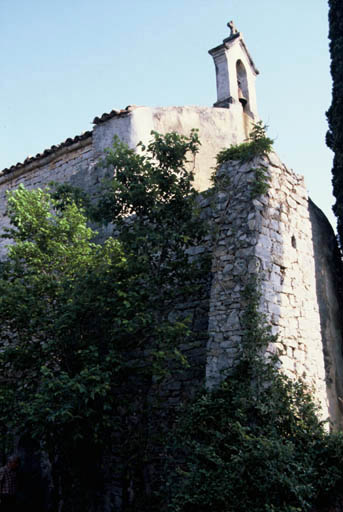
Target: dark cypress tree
[{"x": 334, "y": 138}]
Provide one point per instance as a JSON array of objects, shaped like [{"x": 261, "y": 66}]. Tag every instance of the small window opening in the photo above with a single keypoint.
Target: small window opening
[
  {"x": 294, "y": 242},
  {"x": 242, "y": 84}
]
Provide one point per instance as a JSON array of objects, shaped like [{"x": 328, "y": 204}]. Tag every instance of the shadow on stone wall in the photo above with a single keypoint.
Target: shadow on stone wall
[{"x": 328, "y": 275}]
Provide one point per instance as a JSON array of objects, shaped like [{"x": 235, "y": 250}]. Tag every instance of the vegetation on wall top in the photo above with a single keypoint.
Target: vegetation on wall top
[{"x": 258, "y": 144}]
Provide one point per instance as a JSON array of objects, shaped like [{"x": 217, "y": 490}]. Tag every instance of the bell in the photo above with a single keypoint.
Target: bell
[{"x": 241, "y": 97}]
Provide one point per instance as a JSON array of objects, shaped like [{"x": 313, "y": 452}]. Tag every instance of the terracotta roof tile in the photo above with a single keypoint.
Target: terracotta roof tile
[{"x": 114, "y": 113}]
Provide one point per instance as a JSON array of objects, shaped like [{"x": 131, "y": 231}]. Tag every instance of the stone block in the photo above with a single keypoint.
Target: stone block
[{"x": 233, "y": 321}]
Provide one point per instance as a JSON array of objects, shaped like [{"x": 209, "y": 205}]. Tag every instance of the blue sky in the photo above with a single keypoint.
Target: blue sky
[{"x": 63, "y": 63}]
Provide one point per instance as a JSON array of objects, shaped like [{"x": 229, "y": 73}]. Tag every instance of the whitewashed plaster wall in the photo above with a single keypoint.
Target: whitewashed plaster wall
[{"x": 218, "y": 128}]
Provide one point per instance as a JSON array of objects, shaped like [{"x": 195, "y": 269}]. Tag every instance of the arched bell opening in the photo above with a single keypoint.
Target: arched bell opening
[{"x": 242, "y": 84}]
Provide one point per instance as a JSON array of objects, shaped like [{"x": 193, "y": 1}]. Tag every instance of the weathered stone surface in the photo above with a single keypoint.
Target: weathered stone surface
[{"x": 290, "y": 251}]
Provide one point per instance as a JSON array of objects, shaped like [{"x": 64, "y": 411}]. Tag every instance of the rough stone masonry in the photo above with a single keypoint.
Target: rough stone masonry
[{"x": 277, "y": 237}]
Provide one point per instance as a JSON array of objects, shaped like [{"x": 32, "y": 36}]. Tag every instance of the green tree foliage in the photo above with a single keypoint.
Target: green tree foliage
[
  {"x": 154, "y": 191},
  {"x": 86, "y": 327},
  {"x": 334, "y": 136},
  {"x": 255, "y": 443}
]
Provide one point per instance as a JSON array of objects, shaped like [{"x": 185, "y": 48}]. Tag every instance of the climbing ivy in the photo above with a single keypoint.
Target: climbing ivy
[
  {"x": 255, "y": 443},
  {"x": 260, "y": 185}
]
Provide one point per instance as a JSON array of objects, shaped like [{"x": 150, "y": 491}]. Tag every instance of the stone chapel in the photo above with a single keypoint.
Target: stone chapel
[{"x": 281, "y": 237}]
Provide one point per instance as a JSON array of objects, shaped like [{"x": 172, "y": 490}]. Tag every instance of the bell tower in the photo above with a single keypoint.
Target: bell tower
[{"x": 236, "y": 74}]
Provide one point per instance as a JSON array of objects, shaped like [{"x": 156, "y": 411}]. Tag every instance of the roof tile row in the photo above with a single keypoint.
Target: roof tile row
[{"x": 114, "y": 113}]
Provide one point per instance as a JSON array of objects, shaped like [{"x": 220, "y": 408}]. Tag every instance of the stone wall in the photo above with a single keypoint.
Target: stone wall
[
  {"x": 281, "y": 237},
  {"x": 275, "y": 238}
]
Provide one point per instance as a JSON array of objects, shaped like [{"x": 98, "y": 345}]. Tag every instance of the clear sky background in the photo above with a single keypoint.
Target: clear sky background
[{"x": 65, "y": 62}]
